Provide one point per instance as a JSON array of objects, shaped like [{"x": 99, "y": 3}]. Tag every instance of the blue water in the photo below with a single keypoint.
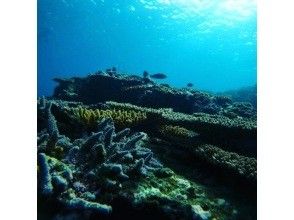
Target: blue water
[{"x": 210, "y": 43}]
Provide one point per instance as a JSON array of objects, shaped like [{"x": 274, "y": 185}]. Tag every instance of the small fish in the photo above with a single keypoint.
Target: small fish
[
  {"x": 158, "y": 76},
  {"x": 190, "y": 85}
]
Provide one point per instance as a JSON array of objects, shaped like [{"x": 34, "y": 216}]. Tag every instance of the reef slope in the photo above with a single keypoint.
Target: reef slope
[{"x": 113, "y": 146}]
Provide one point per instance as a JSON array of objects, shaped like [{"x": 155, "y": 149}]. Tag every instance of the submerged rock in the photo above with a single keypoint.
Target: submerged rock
[
  {"x": 199, "y": 213},
  {"x": 137, "y": 90}
]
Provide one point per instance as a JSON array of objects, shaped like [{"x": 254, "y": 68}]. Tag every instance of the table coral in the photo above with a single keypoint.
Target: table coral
[
  {"x": 177, "y": 133},
  {"x": 238, "y": 164}
]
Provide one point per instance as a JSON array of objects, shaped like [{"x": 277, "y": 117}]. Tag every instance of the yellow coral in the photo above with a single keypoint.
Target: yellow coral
[
  {"x": 122, "y": 118},
  {"x": 176, "y": 132}
]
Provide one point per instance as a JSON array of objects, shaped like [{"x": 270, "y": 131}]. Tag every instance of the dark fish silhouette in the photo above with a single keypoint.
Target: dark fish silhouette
[
  {"x": 190, "y": 85},
  {"x": 158, "y": 76}
]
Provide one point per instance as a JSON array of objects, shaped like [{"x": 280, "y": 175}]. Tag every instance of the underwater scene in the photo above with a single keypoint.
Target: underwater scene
[{"x": 146, "y": 109}]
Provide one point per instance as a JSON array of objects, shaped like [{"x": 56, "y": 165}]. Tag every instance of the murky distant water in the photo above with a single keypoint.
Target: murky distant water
[{"x": 209, "y": 43}]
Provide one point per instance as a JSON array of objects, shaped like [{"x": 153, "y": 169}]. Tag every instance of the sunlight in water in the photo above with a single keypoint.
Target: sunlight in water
[
  {"x": 214, "y": 12},
  {"x": 243, "y": 7}
]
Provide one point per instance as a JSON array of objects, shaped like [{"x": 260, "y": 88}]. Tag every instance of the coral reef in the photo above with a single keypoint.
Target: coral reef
[
  {"x": 238, "y": 134},
  {"x": 170, "y": 116},
  {"x": 229, "y": 161},
  {"x": 101, "y": 87},
  {"x": 243, "y": 109},
  {"x": 121, "y": 118},
  {"x": 105, "y": 157},
  {"x": 245, "y": 94},
  {"x": 222, "y": 101},
  {"x": 210, "y": 158},
  {"x": 88, "y": 170},
  {"x": 177, "y": 133},
  {"x": 234, "y": 134}
]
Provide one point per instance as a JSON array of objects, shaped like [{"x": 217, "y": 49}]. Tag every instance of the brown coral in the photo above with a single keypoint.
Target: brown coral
[
  {"x": 122, "y": 118},
  {"x": 238, "y": 164},
  {"x": 177, "y": 133}
]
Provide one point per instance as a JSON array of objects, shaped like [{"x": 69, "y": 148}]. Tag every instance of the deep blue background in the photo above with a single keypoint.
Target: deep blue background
[{"x": 209, "y": 43}]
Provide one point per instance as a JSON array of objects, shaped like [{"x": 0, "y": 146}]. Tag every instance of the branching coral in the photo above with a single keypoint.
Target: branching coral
[
  {"x": 121, "y": 118},
  {"x": 96, "y": 164},
  {"x": 117, "y": 155},
  {"x": 49, "y": 140}
]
